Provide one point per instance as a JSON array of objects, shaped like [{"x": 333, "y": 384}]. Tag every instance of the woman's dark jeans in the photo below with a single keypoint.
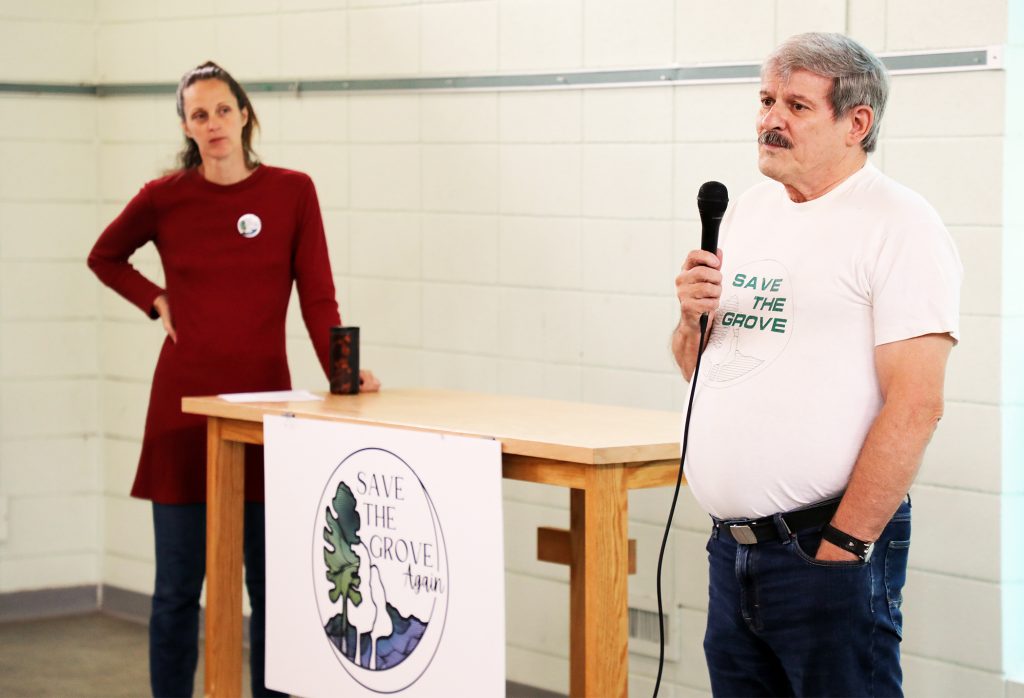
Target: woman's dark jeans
[{"x": 180, "y": 532}]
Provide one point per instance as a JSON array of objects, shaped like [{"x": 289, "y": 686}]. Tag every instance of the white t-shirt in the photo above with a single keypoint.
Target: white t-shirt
[{"x": 787, "y": 388}]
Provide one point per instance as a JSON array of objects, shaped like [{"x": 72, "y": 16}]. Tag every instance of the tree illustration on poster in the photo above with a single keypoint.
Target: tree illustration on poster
[
  {"x": 385, "y": 564},
  {"x": 341, "y": 559}
]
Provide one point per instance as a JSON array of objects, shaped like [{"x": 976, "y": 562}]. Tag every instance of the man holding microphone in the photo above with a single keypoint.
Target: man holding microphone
[{"x": 833, "y": 306}]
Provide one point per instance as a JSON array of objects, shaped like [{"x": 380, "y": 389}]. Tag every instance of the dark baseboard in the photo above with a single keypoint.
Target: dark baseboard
[
  {"x": 125, "y": 604},
  {"x": 47, "y": 603},
  {"x": 521, "y": 690},
  {"x": 135, "y": 606}
]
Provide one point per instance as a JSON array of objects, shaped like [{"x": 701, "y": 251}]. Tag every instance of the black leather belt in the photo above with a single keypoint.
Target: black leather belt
[{"x": 763, "y": 530}]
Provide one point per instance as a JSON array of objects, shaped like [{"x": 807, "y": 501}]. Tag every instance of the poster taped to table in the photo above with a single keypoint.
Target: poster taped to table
[{"x": 385, "y": 561}]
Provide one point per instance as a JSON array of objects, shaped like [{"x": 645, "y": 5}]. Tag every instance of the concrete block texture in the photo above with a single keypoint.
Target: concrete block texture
[
  {"x": 622, "y": 33},
  {"x": 644, "y": 346},
  {"x": 48, "y": 349},
  {"x": 541, "y": 117},
  {"x": 942, "y": 515},
  {"x": 541, "y": 325},
  {"x": 47, "y": 231},
  {"x": 52, "y": 525},
  {"x": 385, "y": 177},
  {"x": 981, "y": 292},
  {"x": 48, "y": 118},
  {"x": 627, "y": 181},
  {"x": 390, "y": 118},
  {"x": 123, "y": 408},
  {"x": 610, "y": 386},
  {"x": 539, "y": 627},
  {"x": 384, "y": 41},
  {"x": 120, "y": 458},
  {"x": 538, "y": 35},
  {"x": 62, "y": 172},
  {"x": 397, "y": 367},
  {"x": 49, "y": 571},
  {"x": 628, "y": 255},
  {"x": 540, "y": 252},
  {"x": 952, "y": 619},
  {"x": 453, "y": 371},
  {"x": 461, "y": 318},
  {"x": 974, "y": 372},
  {"x": 541, "y": 179},
  {"x": 48, "y": 408},
  {"x": 392, "y": 308},
  {"x": 540, "y": 379},
  {"x": 323, "y": 36},
  {"x": 628, "y": 115},
  {"x": 385, "y": 245},
  {"x": 460, "y": 178},
  {"x": 460, "y": 248},
  {"x": 182, "y": 44},
  {"x": 45, "y": 467},
  {"x": 128, "y": 528},
  {"x": 33, "y": 50},
  {"x": 711, "y": 32},
  {"x": 521, "y": 523},
  {"x": 918, "y": 24},
  {"x": 459, "y": 117},
  {"x": 314, "y": 118},
  {"x": 459, "y": 38},
  {"x": 798, "y": 16},
  {"x": 928, "y": 677},
  {"x": 924, "y": 164},
  {"x": 973, "y": 464},
  {"x": 534, "y": 667}
]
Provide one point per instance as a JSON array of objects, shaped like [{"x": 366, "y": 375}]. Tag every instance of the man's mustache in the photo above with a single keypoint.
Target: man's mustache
[{"x": 774, "y": 138}]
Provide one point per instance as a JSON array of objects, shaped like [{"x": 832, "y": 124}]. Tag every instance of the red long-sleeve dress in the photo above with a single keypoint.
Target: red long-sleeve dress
[{"x": 228, "y": 291}]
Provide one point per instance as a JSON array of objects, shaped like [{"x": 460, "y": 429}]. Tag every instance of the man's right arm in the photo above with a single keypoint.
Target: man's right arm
[{"x": 698, "y": 289}]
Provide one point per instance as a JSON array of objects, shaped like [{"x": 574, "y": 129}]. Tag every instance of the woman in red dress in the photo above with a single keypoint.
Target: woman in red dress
[{"x": 233, "y": 235}]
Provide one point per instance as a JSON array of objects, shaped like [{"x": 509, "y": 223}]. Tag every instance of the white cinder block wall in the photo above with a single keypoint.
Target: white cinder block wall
[
  {"x": 518, "y": 242},
  {"x": 50, "y": 511}
]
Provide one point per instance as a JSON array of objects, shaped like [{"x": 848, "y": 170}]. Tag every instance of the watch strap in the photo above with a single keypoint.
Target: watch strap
[{"x": 841, "y": 539}]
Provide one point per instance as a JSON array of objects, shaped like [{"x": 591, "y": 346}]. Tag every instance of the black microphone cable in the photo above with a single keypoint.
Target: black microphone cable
[{"x": 675, "y": 497}]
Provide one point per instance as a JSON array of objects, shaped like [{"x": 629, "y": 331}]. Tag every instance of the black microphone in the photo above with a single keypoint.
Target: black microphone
[{"x": 712, "y": 200}]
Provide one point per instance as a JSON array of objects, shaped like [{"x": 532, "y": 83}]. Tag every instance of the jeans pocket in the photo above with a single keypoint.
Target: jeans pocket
[
  {"x": 896, "y": 555},
  {"x": 806, "y": 545}
]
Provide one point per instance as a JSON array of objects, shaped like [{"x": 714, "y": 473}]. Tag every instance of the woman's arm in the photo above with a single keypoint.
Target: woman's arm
[{"x": 133, "y": 228}]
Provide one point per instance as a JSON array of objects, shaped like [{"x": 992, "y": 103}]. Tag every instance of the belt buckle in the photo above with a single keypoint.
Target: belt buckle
[{"x": 742, "y": 533}]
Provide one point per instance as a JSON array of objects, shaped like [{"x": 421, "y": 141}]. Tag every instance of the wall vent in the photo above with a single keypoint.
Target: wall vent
[{"x": 643, "y": 628}]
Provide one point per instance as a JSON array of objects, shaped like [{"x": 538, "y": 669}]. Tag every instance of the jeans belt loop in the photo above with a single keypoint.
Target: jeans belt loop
[{"x": 785, "y": 534}]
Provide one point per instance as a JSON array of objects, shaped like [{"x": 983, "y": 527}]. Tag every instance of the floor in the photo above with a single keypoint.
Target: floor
[{"x": 97, "y": 655}]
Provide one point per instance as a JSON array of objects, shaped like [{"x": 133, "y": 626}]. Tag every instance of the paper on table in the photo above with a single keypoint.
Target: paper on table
[{"x": 272, "y": 396}]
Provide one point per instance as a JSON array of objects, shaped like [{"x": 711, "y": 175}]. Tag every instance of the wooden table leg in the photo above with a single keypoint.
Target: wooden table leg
[
  {"x": 225, "y": 500},
  {"x": 598, "y": 598}
]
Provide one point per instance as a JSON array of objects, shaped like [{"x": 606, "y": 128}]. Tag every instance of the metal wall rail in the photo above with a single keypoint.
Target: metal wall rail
[{"x": 989, "y": 58}]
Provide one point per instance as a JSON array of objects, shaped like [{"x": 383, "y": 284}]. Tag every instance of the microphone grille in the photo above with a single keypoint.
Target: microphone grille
[{"x": 712, "y": 198}]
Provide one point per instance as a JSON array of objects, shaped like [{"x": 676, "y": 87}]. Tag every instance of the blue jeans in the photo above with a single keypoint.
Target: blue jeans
[
  {"x": 180, "y": 533},
  {"x": 781, "y": 623}
]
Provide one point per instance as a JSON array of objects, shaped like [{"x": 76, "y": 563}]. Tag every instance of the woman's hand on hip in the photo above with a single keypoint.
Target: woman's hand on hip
[{"x": 163, "y": 308}]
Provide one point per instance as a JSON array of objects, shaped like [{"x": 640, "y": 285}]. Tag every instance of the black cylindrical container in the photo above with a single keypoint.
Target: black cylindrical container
[{"x": 344, "y": 360}]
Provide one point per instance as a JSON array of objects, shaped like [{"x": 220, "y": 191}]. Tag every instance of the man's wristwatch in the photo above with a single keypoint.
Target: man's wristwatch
[{"x": 841, "y": 539}]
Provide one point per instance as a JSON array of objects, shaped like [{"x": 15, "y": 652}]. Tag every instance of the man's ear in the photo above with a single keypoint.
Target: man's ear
[{"x": 862, "y": 118}]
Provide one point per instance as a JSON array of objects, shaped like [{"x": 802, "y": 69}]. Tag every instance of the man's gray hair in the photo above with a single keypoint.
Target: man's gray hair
[{"x": 858, "y": 77}]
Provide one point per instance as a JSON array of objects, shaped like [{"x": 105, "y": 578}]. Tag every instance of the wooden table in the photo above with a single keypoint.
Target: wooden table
[{"x": 598, "y": 451}]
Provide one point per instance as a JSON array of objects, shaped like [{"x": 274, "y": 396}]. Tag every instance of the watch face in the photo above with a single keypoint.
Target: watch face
[{"x": 867, "y": 553}]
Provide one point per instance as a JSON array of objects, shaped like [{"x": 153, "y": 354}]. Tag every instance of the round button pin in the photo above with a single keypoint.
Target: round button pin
[{"x": 249, "y": 225}]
